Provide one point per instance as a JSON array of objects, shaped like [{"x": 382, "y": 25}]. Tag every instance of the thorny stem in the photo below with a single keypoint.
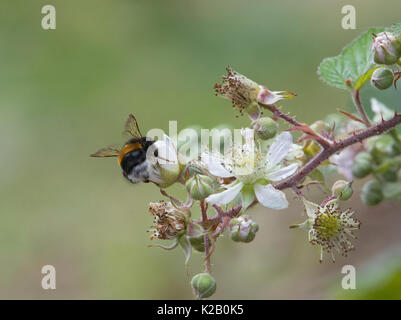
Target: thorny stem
[
  {"x": 378, "y": 129},
  {"x": 358, "y": 104},
  {"x": 276, "y": 111},
  {"x": 205, "y": 219},
  {"x": 298, "y": 126}
]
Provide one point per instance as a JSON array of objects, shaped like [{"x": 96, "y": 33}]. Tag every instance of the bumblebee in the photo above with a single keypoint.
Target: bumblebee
[{"x": 132, "y": 157}]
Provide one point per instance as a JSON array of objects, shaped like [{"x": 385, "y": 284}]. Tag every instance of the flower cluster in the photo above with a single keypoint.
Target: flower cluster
[{"x": 263, "y": 162}]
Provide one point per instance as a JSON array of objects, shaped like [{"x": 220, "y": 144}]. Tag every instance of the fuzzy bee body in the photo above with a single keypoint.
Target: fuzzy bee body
[{"x": 132, "y": 157}]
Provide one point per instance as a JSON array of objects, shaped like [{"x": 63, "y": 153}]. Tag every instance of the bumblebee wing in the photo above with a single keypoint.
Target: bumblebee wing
[
  {"x": 131, "y": 127},
  {"x": 110, "y": 151}
]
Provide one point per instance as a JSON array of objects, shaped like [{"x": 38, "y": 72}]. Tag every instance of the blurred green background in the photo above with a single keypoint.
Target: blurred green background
[{"x": 65, "y": 93}]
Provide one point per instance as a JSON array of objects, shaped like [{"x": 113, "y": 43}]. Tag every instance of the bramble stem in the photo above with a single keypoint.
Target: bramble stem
[
  {"x": 276, "y": 111},
  {"x": 205, "y": 219},
  {"x": 358, "y": 104},
  {"x": 337, "y": 146}
]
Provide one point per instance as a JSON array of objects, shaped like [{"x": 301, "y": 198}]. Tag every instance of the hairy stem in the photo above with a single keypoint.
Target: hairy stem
[
  {"x": 336, "y": 147},
  {"x": 205, "y": 219},
  {"x": 361, "y": 110}
]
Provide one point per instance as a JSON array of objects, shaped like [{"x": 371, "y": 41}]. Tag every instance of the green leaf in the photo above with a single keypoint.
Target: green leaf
[
  {"x": 316, "y": 175},
  {"x": 355, "y": 60}
]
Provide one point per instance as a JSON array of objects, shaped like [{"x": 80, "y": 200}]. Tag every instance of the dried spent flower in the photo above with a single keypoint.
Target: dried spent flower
[
  {"x": 169, "y": 221},
  {"x": 329, "y": 228},
  {"x": 237, "y": 88},
  {"x": 246, "y": 95}
]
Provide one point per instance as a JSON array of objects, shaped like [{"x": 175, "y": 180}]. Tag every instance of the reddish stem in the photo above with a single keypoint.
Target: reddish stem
[
  {"x": 205, "y": 219},
  {"x": 336, "y": 147},
  {"x": 361, "y": 110}
]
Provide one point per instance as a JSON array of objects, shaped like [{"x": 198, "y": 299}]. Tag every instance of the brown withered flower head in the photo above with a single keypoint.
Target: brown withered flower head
[
  {"x": 169, "y": 221},
  {"x": 237, "y": 88},
  {"x": 247, "y": 95}
]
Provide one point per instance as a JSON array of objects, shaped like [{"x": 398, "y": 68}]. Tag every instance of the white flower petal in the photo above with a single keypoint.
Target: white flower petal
[
  {"x": 167, "y": 152},
  {"x": 344, "y": 161},
  {"x": 214, "y": 165},
  {"x": 270, "y": 197},
  {"x": 279, "y": 149},
  {"x": 311, "y": 208},
  {"x": 226, "y": 196},
  {"x": 283, "y": 173}
]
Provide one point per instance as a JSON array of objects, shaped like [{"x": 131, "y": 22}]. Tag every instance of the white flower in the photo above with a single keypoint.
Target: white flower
[
  {"x": 329, "y": 228},
  {"x": 253, "y": 170}
]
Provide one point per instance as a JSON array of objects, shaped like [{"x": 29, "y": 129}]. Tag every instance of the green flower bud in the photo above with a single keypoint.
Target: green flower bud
[
  {"x": 243, "y": 229},
  {"x": 382, "y": 78},
  {"x": 342, "y": 189},
  {"x": 391, "y": 174},
  {"x": 386, "y": 48},
  {"x": 196, "y": 237},
  {"x": 198, "y": 243},
  {"x": 384, "y": 147},
  {"x": 203, "y": 285},
  {"x": 265, "y": 128},
  {"x": 200, "y": 186},
  {"x": 362, "y": 165},
  {"x": 371, "y": 193}
]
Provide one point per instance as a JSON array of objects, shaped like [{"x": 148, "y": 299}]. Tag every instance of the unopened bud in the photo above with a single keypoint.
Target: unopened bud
[
  {"x": 199, "y": 186},
  {"x": 243, "y": 229},
  {"x": 265, "y": 128},
  {"x": 196, "y": 236},
  {"x": 386, "y": 48},
  {"x": 342, "y": 189},
  {"x": 384, "y": 147},
  {"x": 371, "y": 193},
  {"x": 203, "y": 285},
  {"x": 362, "y": 165},
  {"x": 382, "y": 78},
  {"x": 391, "y": 174}
]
